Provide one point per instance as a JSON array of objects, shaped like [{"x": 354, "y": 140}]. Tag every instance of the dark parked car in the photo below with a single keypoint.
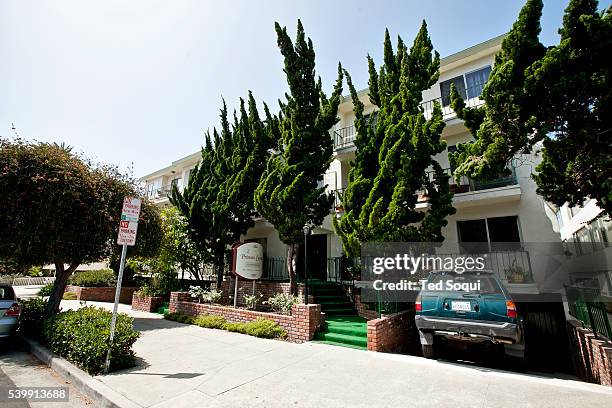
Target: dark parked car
[
  {"x": 473, "y": 306},
  {"x": 9, "y": 311}
]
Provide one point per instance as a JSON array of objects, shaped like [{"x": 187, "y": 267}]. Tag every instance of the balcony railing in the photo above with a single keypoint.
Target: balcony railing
[
  {"x": 159, "y": 193},
  {"x": 466, "y": 184},
  {"x": 344, "y": 137}
]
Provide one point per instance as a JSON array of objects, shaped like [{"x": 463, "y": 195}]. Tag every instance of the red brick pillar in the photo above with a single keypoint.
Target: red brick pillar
[
  {"x": 176, "y": 297},
  {"x": 307, "y": 320}
]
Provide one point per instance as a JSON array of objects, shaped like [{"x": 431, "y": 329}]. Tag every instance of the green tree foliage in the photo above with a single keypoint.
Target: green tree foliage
[
  {"x": 177, "y": 251},
  {"x": 289, "y": 194},
  {"x": 500, "y": 127},
  {"x": 571, "y": 85},
  {"x": 394, "y": 154},
  {"x": 218, "y": 203},
  {"x": 58, "y": 208}
]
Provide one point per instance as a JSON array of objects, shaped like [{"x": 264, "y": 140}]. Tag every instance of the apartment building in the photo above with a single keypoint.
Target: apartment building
[{"x": 505, "y": 209}]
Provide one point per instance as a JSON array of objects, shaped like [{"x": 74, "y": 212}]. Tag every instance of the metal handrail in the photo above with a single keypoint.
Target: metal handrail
[
  {"x": 161, "y": 192},
  {"x": 467, "y": 184}
]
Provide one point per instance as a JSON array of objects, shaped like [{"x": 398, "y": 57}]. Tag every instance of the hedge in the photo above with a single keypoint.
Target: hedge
[
  {"x": 261, "y": 327},
  {"x": 94, "y": 279},
  {"x": 80, "y": 336}
]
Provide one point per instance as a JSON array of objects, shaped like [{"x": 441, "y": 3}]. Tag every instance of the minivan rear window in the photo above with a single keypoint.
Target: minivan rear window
[
  {"x": 466, "y": 283},
  {"x": 6, "y": 293}
]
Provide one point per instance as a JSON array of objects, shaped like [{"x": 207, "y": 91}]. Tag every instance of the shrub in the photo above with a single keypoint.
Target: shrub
[
  {"x": 69, "y": 296},
  {"x": 210, "y": 321},
  {"x": 81, "y": 336},
  {"x": 46, "y": 290},
  {"x": 33, "y": 314},
  {"x": 203, "y": 295},
  {"x": 282, "y": 303},
  {"x": 94, "y": 279},
  {"x": 265, "y": 328},
  {"x": 150, "y": 291},
  {"x": 179, "y": 317},
  {"x": 252, "y": 300},
  {"x": 235, "y": 327}
]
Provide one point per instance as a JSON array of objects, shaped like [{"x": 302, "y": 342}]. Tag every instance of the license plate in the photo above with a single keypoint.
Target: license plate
[{"x": 461, "y": 306}]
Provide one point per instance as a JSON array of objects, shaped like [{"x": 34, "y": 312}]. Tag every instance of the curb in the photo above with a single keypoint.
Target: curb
[{"x": 103, "y": 395}]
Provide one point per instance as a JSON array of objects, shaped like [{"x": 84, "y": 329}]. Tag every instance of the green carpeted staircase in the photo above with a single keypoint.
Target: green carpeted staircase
[
  {"x": 164, "y": 309},
  {"x": 343, "y": 327}
]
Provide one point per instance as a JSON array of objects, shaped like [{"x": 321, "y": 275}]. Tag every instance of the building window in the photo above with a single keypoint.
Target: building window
[
  {"x": 469, "y": 85},
  {"x": 494, "y": 234},
  {"x": 445, "y": 88},
  {"x": 150, "y": 188},
  {"x": 475, "y": 81}
]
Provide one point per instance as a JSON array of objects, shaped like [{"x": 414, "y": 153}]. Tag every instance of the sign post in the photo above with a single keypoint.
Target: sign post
[
  {"x": 127, "y": 237},
  {"x": 247, "y": 263}
]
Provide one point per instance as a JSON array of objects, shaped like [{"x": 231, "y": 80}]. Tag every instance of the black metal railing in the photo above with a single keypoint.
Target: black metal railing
[
  {"x": 510, "y": 266},
  {"x": 466, "y": 184},
  {"x": 341, "y": 269},
  {"x": 589, "y": 310},
  {"x": 275, "y": 269}
]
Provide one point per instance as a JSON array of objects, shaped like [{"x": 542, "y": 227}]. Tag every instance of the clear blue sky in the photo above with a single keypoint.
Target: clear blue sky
[{"x": 139, "y": 81}]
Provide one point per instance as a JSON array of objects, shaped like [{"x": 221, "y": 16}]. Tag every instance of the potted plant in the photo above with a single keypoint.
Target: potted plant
[{"x": 515, "y": 273}]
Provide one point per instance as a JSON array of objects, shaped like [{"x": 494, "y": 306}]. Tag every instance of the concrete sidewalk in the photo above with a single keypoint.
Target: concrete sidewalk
[{"x": 188, "y": 366}]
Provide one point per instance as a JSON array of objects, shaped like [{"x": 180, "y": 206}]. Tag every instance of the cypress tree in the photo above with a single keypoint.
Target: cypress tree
[
  {"x": 571, "y": 84},
  {"x": 289, "y": 194},
  {"x": 394, "y": 153},
  {"x": 500, "y": 127},
  {"x": 218, "y": 200}
]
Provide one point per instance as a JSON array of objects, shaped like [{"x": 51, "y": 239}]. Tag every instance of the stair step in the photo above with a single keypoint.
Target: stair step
[
  {"x": 343, "y": 338},
  {"x": 333, "y": 343},
  {"x": 341, "y": 312},
  {"x": 348, "y": 330}
]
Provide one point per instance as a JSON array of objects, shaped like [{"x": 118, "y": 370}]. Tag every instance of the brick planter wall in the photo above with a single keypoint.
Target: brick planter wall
[
  {"x": 363, "y": 309},
  {"x": 146, "y": 303},
  {"x": 106, "y": 294},
  {"x": 267, "y": 289},
  {"x": 392, "y": 333},
  {"x": 300, "y": 326},
  {"x": 592, "y": 356}
]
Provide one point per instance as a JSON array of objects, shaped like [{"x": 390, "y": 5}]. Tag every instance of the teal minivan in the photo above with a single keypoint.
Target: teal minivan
[{"x": 470, "y": 306}]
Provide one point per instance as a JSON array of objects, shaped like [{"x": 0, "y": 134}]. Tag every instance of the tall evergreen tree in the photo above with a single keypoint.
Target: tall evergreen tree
[
  {"x": 572, "y": 87},
  {"x": 289, "y": 194},
  {"x": 394, "y": 153},
  {"x": 218, "y": 200},
  {"x": 500, "y": 127}
]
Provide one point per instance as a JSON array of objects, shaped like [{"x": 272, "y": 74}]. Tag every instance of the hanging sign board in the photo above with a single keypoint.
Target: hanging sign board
[{"x": 247, "y": 260}]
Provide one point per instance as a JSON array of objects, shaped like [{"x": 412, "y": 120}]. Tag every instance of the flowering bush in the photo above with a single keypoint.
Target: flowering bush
[{"x": 203, "y": 295}]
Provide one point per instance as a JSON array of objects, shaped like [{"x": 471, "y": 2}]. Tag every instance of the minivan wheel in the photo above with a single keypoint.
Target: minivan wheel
[{"x": 428, "y": 351}]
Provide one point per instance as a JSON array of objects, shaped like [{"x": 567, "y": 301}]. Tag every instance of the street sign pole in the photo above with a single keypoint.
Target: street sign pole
[
  {"x": 127, "y": 236},
  {"x": 115, "y": 307}
]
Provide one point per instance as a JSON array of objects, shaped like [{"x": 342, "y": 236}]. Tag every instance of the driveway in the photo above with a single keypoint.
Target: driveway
[{"x": 188, "y": 366}]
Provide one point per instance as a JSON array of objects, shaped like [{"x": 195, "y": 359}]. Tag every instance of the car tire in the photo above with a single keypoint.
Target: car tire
[{"x": 428, "y": 350}]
